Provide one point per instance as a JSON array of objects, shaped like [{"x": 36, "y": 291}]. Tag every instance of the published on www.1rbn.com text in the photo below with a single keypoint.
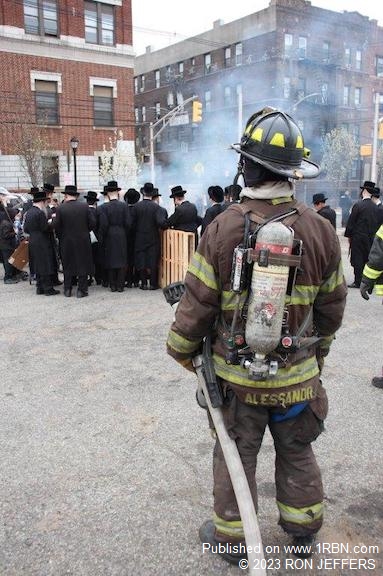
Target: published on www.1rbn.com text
[{"x": 325, "y": 556}]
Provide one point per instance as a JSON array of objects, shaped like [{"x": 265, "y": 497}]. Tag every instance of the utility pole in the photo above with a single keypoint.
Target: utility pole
[
  {"x": 375, "y": 137},
  {"x": 165, "y": 120}
]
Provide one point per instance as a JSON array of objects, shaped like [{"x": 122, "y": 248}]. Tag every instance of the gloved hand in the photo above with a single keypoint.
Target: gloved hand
[{"x": 366, "y": 287}]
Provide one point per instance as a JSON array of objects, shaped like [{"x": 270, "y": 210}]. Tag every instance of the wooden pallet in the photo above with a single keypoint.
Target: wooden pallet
[{"x": 176, "y": 252}]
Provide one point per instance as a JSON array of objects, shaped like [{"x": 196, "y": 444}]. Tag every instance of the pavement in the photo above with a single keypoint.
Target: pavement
[{"x": 106, "y": 457}]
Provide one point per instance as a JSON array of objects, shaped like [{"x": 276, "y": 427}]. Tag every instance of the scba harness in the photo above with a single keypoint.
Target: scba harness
[{"x": 264, "y": 269}]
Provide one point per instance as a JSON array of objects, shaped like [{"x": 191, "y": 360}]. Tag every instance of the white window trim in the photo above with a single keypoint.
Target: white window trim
[
  {"x": 47, "y": 77},
  {"x": 109, "y": 82}
]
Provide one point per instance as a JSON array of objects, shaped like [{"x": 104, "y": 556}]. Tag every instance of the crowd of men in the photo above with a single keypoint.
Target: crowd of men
[{"x": 116, "y": 244}]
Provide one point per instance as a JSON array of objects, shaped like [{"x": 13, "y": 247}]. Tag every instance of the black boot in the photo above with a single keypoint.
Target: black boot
[
  {"x": 232, "y": 553},
  {"x": 303, "y": 546},
  {"x": 377, "y": 381}
]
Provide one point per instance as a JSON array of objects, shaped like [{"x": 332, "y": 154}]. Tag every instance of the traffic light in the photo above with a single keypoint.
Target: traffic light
[{"x": 197, "y": 111}]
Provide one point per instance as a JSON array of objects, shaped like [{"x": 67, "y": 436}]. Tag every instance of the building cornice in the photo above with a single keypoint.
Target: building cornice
[{"x": 71, "y": 48}]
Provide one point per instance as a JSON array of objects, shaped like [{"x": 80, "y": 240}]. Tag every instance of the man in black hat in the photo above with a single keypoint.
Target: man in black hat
[
  {"x": 216, "y": 196},
  {"x": 185, "y": 216},
  {"x": 148, "y": 220},
  {"x": 320, "y": 206},
  {"x": 112, "y": 232},
  {"x": 74, "y": 220},
  {"x": 131, "y": 197},
  {"x": 91, "y": 198},
  {"x": 360, "y": 230},
  {"x": 40, "y": 244},
  {"x": 378, "y": 203}
]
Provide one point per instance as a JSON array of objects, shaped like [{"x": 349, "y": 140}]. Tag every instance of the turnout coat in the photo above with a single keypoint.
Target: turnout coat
[
  {"x": 73, "y": 222},
  {"x": 40, "y": 242},
  {"x": 148, "y": 219},
  {"x": 114, "y": 224}
]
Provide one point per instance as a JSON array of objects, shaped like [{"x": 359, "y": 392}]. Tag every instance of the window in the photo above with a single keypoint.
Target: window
[
  {"x": 99, "y": 23},
  {"x": 136, "y": 85},
  {"x": 227, "y": 57},
  {"x": 286, "y": 87},
  {"x": 301, "y": 87},
  {"x": 103, "y": 106},
  {"x": 227, "y": 96},
  {"x": 347, "y": 57},
  {"x": 302, "y": 47},
  {"x": 143, "y": 113},
  {"x": 181, "y": 69},
  {"x": 346, "y": 95},
  {"x": 324, "y": 93},
  {"x": 50, "y": 170},
  {"x": 47, "y": 103},
  {"x": 207, "y": 62},
  {"x": 158, "y": 110},
  {"x": 238, "y": 54},
  {"x": 136, "y": 115},
  {"x": 326, "y": 52},
  {"x": 358, "y": 59},
  {"x": 358, "y": 96},
  {"x": 157, "y": 78},
  {"x": 379, "y": 66},
  {"x": 40, "y": 17},
  {"x": 288, "y": 44},
  {"x": 142, "y": 82}
]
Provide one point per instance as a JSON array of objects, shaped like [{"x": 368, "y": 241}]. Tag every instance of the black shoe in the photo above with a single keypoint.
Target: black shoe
[
  {"x": 68, "y": 292},
  {"x": 39, "y": 291},
  {"x": 377, "y": 381},
  {"x": 105, "y": 284},
  {"x": 128, "y": 285},
  {"x": 11, "y": 281},
  {"x": 151, "y": 287},
  {"x": 113, "y": 289},
  {"x": 303, "y": 546},
  {"x": 120, "y": 289},
  {"x": 144, "y": 287},
  {"x": 353, "y": 285},
  {"x": 81, "y": 294},
  {"x": 207, "y": 535},
  {"x": 51, "y": 292},
  {"x": 58, "y": 282}
]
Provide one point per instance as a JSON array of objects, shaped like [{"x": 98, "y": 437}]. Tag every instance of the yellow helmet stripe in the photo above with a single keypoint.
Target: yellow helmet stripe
[{"x": 278, "y": 140}]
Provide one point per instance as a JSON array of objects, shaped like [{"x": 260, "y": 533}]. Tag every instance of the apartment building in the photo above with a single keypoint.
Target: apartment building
[
  {"x": 66, "y": 71},
  {"x": 323, "y": 67}
]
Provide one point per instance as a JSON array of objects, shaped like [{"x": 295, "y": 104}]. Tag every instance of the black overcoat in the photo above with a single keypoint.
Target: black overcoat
[
  {"x": 41, "y": 241},
  {"x": 148, "y": 219},
  {"x": 73, "y": 222},
  {"x": 185, "y": 217},
  {"x": 114, "y": 224},
  {"x": 210, "y": 214}
]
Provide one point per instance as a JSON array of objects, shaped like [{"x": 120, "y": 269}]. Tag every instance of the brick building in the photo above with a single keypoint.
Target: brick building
[
  {"x": 324, "y": 67},
  {"x": 66, "y": 70}
]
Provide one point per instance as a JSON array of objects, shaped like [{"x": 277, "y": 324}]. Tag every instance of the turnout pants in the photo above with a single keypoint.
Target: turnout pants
[{"x": 299, "y": 491}]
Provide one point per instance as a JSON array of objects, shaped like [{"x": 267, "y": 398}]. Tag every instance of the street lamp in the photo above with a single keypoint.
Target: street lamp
[{"x": 74, "y": 144}]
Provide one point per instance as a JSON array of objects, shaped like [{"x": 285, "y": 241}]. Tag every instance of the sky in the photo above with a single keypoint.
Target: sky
[{"x": 159, "y": 23}]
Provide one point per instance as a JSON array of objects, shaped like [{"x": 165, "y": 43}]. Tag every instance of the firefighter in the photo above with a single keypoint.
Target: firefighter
[
  {"x": 373, "y": 276},
  {"x": 292, "y": 403}
]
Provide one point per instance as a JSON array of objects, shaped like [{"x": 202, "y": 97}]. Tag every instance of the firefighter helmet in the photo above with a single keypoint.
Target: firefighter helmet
[{"x": 272, "y": 139}]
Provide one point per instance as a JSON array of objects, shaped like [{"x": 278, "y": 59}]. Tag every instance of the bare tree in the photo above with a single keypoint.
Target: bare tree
[
  {"x": 340, "y": 149},
  {"x": 30, "y": 147},
  {"x": 117, "y": 162}
]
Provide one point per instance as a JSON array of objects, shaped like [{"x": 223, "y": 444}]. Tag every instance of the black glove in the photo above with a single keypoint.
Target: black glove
[{"x": 366, "y": 287}]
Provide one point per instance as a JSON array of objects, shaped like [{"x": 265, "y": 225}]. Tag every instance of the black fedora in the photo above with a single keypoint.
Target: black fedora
[
  {"x": 71, "y": 190},
  {"x": 112, "y": 186},
  {"x": 48, "y": 187},
  {"x": 319, "y": 198},
  {"x": 177, "y": 192},
  {"x": 368, "y": 185},
  {"x": 132, "y": 196},
  {"x": 39, "y": 196},
  {"x": 90, "y": 195},
  {"x": 148, "y": 189},
  {"x": 34, "y": 190},
  {"x": 376, "y": 192},
  {"x": 215, "y": 193}
]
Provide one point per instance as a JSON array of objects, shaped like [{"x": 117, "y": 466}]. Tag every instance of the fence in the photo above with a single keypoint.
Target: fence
[{"x": 177, "y": 250}]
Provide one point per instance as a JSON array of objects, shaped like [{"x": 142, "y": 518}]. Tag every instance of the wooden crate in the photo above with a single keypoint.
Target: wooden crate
[{"x": 177, "y": 250}]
